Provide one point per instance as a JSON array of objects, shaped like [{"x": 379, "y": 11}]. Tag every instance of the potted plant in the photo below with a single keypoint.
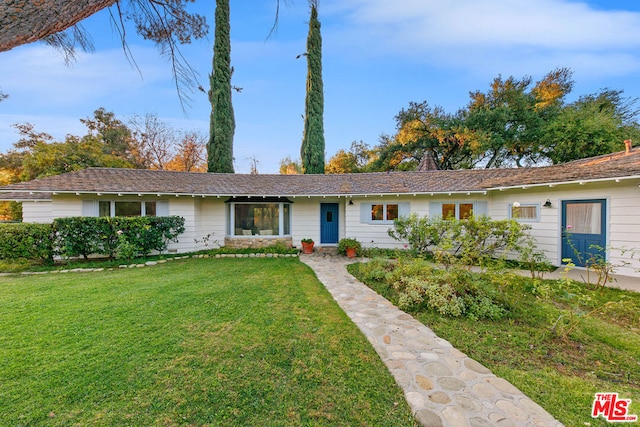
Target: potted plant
[
  {"x": 307, "y": 246},
  {"x": 349, "y": 247}
]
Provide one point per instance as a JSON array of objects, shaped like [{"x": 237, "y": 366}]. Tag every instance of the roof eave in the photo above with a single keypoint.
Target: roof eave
[
  {"x": 556, "y": 183},
  {"x": 260, "y": 196}
]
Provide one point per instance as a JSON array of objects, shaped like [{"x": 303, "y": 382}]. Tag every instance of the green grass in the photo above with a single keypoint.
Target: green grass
[
  {"x": 234, "y": 342},
  {"x": 594, "y": 348}
]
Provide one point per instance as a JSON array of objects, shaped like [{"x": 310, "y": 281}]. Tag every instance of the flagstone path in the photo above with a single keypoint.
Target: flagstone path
[{"x": 443, "y": 386}]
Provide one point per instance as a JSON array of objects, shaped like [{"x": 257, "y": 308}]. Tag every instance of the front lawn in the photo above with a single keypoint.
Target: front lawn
[
  {"x": 198, "y": 342},
  {"x": 559, "y": 342}
]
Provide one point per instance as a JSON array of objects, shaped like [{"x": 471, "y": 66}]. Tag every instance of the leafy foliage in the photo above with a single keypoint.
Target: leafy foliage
[
  {"x": 355, "y": 160},
  {"x": 123, "y": 237},
  {"x": 418, "y": 284},
  {"x": 596, "y": 345},
  {"x": 288, "y": 166},
  {"x": 516, "y": 122},
  {"x": 472, "y": 241},
  {"x": 80, "y": 236},
  {"x": 145, "y": 143},
  {"x": 593, "y": 125},
  {"x": 29, "y": 241},
  {"x": 348, "y": 242}
]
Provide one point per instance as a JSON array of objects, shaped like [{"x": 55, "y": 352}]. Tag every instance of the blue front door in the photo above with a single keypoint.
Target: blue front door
[
  {"x": 584, "y": 230},
  {"x": 328, "y": 223}
]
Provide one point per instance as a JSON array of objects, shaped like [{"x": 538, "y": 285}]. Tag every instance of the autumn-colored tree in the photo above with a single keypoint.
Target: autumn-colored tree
[
  {"x": 356, "y": 159},
  {"x": 423, "y": 129},
  {"x": 512, "y": 115},
  {"x": 288, "y": 166},
  {"x": 190, "y": 153}
]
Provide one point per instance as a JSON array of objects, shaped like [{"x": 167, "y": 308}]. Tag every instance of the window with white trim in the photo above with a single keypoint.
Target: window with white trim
[
  {"x": 126, "y": 208},
  {"x": 457, "y": 210},
  {"x": 259, "y": 219},
  {"x": 383, "y": 213},
  {"x": 524, "y": 212}
]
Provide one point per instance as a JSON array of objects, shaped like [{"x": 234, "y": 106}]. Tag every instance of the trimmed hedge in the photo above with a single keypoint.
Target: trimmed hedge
[
  {"x": 118, "y": 237},
  {"x": 29, "y": 241},
  {"x": 83, "y": 236}
]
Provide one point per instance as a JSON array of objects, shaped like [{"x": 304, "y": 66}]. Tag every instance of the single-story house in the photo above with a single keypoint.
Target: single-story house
[{"x": 596, "y": 199}]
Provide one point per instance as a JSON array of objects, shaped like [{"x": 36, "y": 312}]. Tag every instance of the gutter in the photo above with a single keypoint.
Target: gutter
[
  {"x": 256, "y": 196},
  {"x": 554, "y": 184}
]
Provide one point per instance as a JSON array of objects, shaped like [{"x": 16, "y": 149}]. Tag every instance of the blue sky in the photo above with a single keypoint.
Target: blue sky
[{"x": 378, "y": 56}]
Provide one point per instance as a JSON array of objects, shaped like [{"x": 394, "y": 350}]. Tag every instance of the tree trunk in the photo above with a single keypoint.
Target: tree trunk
[{"x": 27, "y": 21}]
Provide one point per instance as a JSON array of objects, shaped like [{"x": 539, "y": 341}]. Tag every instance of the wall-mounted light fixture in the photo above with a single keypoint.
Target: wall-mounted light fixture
[
  {"x": 547, "y": 204},
  {"x": 350, "y": 202}
]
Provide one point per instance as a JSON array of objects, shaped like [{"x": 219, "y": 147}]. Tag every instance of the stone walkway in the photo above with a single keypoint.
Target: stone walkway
[{"x": 443, "y": 386}]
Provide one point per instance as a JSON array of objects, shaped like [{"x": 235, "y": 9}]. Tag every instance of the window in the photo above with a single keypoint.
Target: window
[
  {"x": 457, "y": 210},
  {"x": 524, "y": 212},
  {"x": 384, "y": 212},
  {"x": 260, "y": 219},
  {"x": 584, "y": 218},
  {"x": 126, "y": 208}
]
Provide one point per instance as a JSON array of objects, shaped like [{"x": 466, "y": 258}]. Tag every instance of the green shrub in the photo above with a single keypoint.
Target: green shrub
[
  {"x": 348, "y": 242},
  {"x": 471, "y": 241},
  {"x": 419, "y": 285},
  {"x": 26, "y": 240},
  {"x": 79, "y": 236},
  {"x": 115, "y": 236}
]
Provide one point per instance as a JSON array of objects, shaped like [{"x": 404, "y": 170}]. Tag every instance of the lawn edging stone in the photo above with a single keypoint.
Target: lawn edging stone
[{"x": 152, "y": 263}]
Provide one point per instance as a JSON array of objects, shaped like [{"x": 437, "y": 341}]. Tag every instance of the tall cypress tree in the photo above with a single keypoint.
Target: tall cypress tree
[
  {"x": 312, "y": 151},
  {"x": 222, "y": 123}
]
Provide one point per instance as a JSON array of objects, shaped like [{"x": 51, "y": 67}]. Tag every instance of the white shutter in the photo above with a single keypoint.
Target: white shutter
[
  {"x": 435, "y": 209},
  {"x": 404, "y": 209},
  {"x": 365, "y": 213},
  {"x": 90, "y": 208},
  {"x": 162, "y": 208},
  {"x": 480, "y": 209}
]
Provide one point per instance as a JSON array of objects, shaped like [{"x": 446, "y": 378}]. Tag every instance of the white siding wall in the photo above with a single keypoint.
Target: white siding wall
[
  {"x": 623, "y": 221},
  {"x": 305, "y": 220},
  {"x": 39, "y": 212},
  {"x": 184, "y": 207},
  {"x": 64, "y": 206},
  {"x": 210, "y": 219},
  {"x": 376, "y": 235}
]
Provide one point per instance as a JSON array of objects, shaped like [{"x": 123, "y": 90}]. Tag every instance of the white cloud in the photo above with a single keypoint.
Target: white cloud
[
  {"x": 541, "y": 34},
  {"x": 39, "y": 72}
]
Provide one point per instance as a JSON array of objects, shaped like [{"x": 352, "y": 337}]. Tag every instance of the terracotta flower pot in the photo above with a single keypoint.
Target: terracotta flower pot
[
  {"x": 307, "y": 248},
  {"x": 351, "y": 252}
]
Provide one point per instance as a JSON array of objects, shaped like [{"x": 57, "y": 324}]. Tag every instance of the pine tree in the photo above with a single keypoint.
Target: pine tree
[
  {"x": 222, "y": 123},
  {"x": 312, "y": 151}
]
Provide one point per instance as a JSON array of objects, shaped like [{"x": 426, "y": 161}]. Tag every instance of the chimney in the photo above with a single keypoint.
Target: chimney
[{"x": 627, "y": 146}]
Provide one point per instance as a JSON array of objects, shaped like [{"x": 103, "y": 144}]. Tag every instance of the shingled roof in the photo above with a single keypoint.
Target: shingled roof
[
  {"x": 26, "y": 21},
  {"x": 140, "y": 181}
]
